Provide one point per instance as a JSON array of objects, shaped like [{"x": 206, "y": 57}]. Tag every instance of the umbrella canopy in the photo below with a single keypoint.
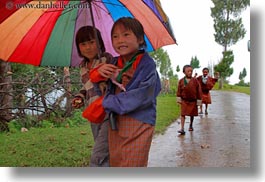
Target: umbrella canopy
[{"x": 42, "y": 33}]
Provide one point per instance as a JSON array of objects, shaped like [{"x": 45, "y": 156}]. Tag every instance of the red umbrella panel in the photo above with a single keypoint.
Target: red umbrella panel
[{"x": 42, "y": 33}]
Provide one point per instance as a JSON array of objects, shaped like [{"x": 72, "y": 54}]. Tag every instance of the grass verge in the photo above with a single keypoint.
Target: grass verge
[
  {"x": 234, "y": 88},
  {"x": 65, "y": 146}
]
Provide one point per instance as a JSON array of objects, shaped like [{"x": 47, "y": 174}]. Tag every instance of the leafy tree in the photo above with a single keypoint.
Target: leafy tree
[
  {"x": 158, "y": 55},
  {"x": 163, "y": 61},
  {"x": 173, "y": 81},
  {"x": 244, "y": 73},
  {"x": 195, "y": 63},
  {"x": 177, "y": 68},
  {"x": 229, "y": 29},
  {"x": 241, "y": 77},
  {"x": 228, "y": 25},
  {"x": 168, "y": 78},
  {"x": 224, "y": 66},
  {"x": 165, "y": 68}
]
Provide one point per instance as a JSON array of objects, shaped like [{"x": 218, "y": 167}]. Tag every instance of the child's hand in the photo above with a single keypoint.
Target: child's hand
[
  {"x": 102, "y": 87},
  {"x": 114, "y": 77},
  {"x": 178, "y": 100},
  {"x": 77, "y": 102},
  {"x": 107, "y": 70},
  {"x": 216, "y": 75}
]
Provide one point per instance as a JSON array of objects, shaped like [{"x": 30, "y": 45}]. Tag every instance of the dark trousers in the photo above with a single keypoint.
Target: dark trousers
[{"x": 100, "y": 152}]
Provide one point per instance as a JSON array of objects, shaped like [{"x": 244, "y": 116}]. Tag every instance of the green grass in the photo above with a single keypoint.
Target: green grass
[
  {"x": 71, "y": 146},
  {"x": 61, "y": 146},
  {"x": 234, "y": 88},
  {"x": 39, "y": 147},
  {"x": 167, "y": 111}
]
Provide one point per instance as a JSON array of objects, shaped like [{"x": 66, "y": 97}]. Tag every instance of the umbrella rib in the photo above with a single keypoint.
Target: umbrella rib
[
  {"x": 79, "y": 12},
  {"x": 109, "y": 3},
  {"x": 101, "y": 8}
]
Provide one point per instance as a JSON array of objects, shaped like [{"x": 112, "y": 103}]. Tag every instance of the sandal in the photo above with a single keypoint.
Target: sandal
[
  {"x": 206, "y": 113},
  {"x": 182, "y": 132},
  {"x": 191, "y": 129}
]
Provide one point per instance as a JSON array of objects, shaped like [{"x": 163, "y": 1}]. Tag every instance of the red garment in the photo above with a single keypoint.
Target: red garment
[
  {"x": 206, "y": 96},
  {"x": 189, "y": 94},
  {"x": 209, "y": 84},
  {"x": 120, "y": 63},
  {"x": 96, "y": 77}
]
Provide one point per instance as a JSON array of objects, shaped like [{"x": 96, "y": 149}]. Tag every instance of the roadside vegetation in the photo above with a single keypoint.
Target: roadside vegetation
[
  {"x": 68, "y": 143},
  {"x": 234, "y": 88},
  {"x": 63, "y": 143}
]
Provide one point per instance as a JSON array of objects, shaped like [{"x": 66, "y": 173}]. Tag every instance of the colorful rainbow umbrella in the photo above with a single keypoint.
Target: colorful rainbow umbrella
[{"x": 42, "y": 33}]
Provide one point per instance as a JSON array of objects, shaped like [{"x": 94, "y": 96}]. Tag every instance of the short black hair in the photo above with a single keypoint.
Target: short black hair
[
  {"x": 86, "y": 33},
  {"x": 186, "y": 66},
  {"x": 134, "y": 25},
  {"x": 205, "y": 69}
]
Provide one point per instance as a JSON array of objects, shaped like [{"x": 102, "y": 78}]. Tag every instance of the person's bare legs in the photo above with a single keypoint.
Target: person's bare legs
[
  {"x": 206, "y": 108},
  {"x": 200, "y": 109},
  {"x": 191, "y": 123},
  {"x": 182, "y": 123}
]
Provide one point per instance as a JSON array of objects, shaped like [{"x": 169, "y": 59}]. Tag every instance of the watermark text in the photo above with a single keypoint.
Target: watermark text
[{"x": 47, "y": 5}]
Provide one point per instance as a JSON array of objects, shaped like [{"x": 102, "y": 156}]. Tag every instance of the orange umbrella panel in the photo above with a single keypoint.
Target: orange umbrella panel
[{"x": 42, "y": 33}]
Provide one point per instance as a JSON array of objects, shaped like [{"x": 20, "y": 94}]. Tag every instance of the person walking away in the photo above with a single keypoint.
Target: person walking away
[
  {"x": 189, "y": 97},
  {"x": 207, "y": 83},
  {"x": 135, "y": 108},
  {"x": 87, "y": 48}
]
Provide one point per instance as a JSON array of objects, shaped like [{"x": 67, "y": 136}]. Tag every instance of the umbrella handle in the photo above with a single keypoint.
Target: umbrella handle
[
  {"x": 95, "y": 32},
  {"x": 112, "y": 120}
]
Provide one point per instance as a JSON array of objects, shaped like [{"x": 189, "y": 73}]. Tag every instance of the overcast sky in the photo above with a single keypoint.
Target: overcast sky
[{"x": 193, "y": 28}]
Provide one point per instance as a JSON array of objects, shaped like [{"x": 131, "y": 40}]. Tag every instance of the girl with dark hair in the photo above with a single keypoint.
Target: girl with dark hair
[{"x": 93, "y": 55}]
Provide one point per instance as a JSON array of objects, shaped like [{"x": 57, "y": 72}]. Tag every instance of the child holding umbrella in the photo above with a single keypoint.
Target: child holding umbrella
[{"x": 135, "y": 109}]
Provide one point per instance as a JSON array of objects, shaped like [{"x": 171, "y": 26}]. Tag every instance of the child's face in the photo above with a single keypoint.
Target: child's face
[
  {"x": 125, "y": 42},
  {"x": 205, "y": 72},
  {"x": 188, "y": 72},
  {"x": 89, "y": 49}
]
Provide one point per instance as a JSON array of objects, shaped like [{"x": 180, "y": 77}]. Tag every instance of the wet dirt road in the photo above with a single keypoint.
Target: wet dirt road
[{"x": 220, "y": 139}]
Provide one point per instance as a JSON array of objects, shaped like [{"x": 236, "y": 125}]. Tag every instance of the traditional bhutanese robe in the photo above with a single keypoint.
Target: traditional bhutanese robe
[
  {"x": 206, "y": 87},
  {"x": 188, "y": 94},
  {"x": 136, "y": 113}
]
